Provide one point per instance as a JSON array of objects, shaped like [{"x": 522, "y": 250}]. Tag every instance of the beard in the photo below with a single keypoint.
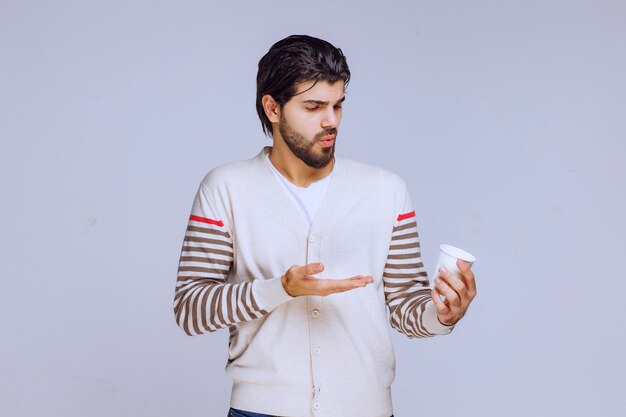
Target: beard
[{"x": 304, "y": 148}]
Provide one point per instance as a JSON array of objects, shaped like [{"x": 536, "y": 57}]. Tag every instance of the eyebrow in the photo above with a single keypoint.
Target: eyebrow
[{"x": 323, "y": 103}]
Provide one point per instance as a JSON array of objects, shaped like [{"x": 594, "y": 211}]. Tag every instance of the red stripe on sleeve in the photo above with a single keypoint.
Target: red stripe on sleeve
[
  {"x": 205, "y": 220},
  {"x": 406, "y": 215}
]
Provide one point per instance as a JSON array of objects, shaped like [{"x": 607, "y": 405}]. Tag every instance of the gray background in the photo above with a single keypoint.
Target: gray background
[{"x": 505, "y": 117}]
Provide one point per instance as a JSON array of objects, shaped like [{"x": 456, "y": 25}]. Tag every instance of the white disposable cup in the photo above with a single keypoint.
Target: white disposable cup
[{"x": 448, "y": 256}]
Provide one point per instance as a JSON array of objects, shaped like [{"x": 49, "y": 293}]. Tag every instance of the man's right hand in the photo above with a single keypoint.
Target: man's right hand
[{"x": 299, "y": 280}]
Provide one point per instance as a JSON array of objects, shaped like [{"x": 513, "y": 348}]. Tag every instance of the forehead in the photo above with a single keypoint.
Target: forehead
[{"x": 320, "y": 90}]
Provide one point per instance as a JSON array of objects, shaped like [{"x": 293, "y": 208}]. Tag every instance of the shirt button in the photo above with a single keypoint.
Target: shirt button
[
  {"x": 315, "y": 313},
  {"x": 317, "y": 350},
  {"x": 316, "y": 406},
  {"x": 312, "y": 239}
]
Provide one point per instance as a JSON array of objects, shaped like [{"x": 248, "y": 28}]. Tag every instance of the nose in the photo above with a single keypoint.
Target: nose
[{"x": 331, "y": 119}]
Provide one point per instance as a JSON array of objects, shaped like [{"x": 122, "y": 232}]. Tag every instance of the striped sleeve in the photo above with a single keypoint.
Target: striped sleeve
[
  {"x": 407, "y": 289},
  {"x": 204, "y": 301}
]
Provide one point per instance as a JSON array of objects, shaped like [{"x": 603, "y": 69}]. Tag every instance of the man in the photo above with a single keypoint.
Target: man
[{"x": 299, "y": 253}]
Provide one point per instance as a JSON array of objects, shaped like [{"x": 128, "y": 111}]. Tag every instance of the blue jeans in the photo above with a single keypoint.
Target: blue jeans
[{"x": 240, "y": 413}]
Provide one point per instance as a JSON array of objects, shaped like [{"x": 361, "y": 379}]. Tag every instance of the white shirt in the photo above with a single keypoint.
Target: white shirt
[{"x": 306, "y": 199}]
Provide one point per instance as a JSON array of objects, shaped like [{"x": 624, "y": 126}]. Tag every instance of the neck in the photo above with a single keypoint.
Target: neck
[{"x": 292, "y": 167}]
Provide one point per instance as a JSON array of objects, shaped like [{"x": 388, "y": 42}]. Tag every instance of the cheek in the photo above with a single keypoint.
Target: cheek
[
  {"x": 305, "y": 124},
  {"x": 311, "y": 128},
  {"x": 308, "y": 130}
]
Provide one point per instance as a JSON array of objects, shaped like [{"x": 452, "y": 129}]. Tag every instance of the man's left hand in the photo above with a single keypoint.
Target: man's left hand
[{"x": 459, "y": 293}]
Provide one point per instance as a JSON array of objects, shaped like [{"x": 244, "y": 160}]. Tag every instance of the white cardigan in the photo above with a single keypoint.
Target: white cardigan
[{"x": 305, "y": 356}]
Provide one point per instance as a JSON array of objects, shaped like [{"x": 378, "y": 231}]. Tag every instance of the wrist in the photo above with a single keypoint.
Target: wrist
[
  {"x": 444, "y": 322},
  {"x": 283, "y": 281}
]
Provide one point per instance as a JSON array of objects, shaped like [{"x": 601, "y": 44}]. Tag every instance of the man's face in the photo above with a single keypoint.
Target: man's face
[{"x": 309, "y": 121}]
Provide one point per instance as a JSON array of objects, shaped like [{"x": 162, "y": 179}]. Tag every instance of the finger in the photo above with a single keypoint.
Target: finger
[
  {"x": 452, "y": 297},
  {"x": 354, "y": 282},
  {"x": 468, "y": 276},
  {"x": 456, "y": 283},
  {"x": 439, "y": 304},
  {"x": 313, "y": 268},
  {"x": 361, "y": 278},
  {"x": 331, "y": 286},
  {"x": 368, "y": 278}
]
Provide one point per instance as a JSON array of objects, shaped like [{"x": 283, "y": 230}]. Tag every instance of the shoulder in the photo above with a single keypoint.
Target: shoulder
[
  {"x": 224, "y": 176},
  {"x": 216, "y": 190},
  {"x": 372, "y": 175}
]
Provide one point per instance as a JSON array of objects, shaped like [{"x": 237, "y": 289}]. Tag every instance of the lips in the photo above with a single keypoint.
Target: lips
[{"x": 327, "y": 141}]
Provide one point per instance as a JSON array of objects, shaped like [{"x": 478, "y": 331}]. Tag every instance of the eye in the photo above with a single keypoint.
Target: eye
[{"x": 312, "y": 108}]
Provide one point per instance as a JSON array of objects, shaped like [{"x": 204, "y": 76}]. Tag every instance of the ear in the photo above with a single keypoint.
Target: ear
[{"x": 272, "y": 109}]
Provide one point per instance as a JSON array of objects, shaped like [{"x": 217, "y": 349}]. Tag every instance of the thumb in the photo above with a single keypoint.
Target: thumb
[{"x": 313, "y": 268}]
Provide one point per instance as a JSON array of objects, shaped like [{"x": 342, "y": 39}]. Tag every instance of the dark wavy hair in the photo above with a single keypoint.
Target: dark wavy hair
[{"x": 293, "y": 60}]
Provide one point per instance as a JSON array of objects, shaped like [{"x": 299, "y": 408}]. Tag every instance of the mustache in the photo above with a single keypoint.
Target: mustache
[{"x": 328, "y": 132}]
